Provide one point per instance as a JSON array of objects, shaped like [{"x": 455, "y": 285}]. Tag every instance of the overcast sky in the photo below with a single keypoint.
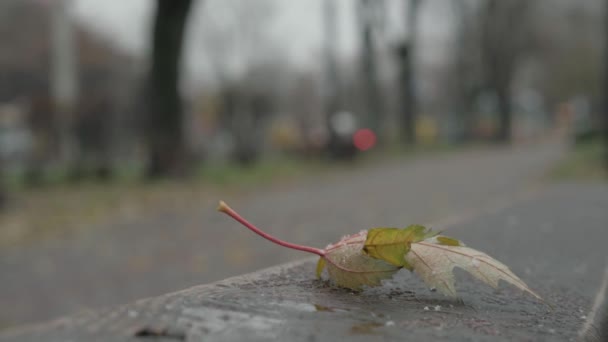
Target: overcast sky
[{"x": 297, "y": 25}]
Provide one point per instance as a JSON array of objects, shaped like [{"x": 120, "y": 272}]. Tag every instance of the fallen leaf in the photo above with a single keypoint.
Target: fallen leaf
[
  {"x": 434, "y": 260},
  {"x": 391, "y": 244},
  {"x": 368, "y": 257},
  {"x": 349, "y": 267}
]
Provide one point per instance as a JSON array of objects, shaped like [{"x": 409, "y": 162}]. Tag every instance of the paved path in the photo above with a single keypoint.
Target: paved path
[
  {"x": 180, "y": 248},
  {"x": 555, "y": 241}
]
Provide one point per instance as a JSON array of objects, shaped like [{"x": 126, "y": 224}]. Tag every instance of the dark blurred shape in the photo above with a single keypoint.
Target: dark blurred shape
[
  {"x": 64, "y": 85},
  {"x": 344, "y": 125},
  {"x": 245, "y": 83},
  {"x": 331, "y": 95},
  {"x": 93, "y": 131},
  {"x": 506, "y": 33},
  {"x": 371, "y": 16},
  {"x": 605, "y": 116},
  {"x": 467, "y": 78},
  {"x": 244, "y": 109},
  {"x": 510, "y": 69},
  {"x": 405, "y": 54},
  {"x": 165, "y": 141}
]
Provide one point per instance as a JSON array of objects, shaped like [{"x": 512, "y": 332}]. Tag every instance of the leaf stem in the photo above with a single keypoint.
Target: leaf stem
[{"x": 224, "y": 208}]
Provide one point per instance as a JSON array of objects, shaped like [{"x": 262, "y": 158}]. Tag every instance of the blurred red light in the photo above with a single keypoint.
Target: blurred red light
[{"x": 364, "y": 139}]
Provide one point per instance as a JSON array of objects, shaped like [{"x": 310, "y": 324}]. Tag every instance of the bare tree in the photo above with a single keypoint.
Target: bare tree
[
  {"x": 370, "y": 15},
  {"x": 239, "y": 51},
  {"x": 506, "y": 32},
  {"x": 605, "y": 108},
  {"x": 164, "y": 125},
  {"x": 465, "y": 76},
  {"x": 331, "y": 80},
  {"x": 405, "y": 54}
]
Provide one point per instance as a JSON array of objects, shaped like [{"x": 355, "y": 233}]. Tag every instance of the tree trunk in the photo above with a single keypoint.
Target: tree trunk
[
  {"x": 406, "y": 58},
  {"x": 369, "y": 70},
  {"x": 467, "y": 82},
  {"x": 408, "y": 130},
  {"x": 605, "y": 108},
  {"x": 370, "y": 82},
  {"x": 331, "y": 81},
  {"x": 164, "y": 134},
  {"x": 503, "y": 45}
]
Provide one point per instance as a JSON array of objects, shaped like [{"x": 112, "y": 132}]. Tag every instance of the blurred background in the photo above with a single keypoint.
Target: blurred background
[{"x": 123, "y": 122}]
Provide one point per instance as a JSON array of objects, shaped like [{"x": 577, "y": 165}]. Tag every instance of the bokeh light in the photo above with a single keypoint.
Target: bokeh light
[{"x": 364, "y": 139}]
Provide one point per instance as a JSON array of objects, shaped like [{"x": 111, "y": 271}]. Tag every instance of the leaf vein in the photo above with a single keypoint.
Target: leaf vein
[{"x": 516, "y": 280}]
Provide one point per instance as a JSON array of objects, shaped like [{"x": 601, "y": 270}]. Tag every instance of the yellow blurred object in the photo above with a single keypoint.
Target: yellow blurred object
[
  {"x": 426, "y": 130},
  {"x": 284, "y": 135}
]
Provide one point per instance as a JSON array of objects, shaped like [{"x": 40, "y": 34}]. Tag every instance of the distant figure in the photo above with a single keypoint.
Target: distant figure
[{"x": 343, "y": 126}]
